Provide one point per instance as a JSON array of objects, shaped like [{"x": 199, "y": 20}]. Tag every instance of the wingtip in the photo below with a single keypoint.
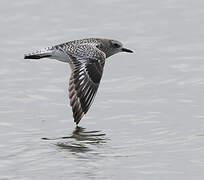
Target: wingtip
[{"x": 77, "y": 119}]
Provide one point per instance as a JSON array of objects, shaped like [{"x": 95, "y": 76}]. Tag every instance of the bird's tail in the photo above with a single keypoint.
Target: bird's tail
[{"x": 39, "y": 54}]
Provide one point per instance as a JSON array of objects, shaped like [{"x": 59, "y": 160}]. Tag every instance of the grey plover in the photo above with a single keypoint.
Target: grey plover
[{"x": 86, "y": 58}]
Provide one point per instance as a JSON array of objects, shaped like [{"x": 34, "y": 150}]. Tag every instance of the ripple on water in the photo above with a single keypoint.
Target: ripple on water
[{"x": 80, "y": 140}]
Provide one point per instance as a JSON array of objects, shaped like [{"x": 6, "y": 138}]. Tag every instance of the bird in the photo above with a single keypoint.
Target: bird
[{"x": 86, "y": 58}]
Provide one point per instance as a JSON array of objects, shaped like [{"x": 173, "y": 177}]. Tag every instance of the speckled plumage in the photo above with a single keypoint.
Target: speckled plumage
[{"x": 87, "y": 59}]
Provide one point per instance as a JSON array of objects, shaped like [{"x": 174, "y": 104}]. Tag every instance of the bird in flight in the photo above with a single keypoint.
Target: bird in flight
[{"x": 86, "y": 58}]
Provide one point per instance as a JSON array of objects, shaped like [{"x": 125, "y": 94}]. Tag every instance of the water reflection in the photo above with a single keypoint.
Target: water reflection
[{"x": 81, "y": 140}]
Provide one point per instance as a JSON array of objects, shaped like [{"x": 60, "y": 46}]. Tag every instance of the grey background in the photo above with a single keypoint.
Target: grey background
[{"x": 146, "y": 122}]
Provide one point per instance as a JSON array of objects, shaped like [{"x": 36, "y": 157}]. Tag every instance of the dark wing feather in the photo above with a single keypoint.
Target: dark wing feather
[{"x": 83, "y": 85}]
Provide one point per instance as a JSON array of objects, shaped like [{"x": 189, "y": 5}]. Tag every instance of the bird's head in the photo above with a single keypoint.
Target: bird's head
[{"x": 114, "y": 46}]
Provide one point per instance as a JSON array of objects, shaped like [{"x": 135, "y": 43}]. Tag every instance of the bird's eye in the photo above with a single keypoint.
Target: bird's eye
[{"x": 116, "y": 45}]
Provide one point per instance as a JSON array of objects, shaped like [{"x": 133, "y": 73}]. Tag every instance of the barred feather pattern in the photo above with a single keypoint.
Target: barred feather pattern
[{"x": 83, "y": 84}]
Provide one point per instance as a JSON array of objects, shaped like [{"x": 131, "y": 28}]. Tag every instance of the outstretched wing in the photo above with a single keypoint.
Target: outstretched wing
[{"x": 84, "y": 81}]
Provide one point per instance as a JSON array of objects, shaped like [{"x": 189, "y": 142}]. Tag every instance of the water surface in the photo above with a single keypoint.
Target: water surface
[{"x": 147, "y": 119}]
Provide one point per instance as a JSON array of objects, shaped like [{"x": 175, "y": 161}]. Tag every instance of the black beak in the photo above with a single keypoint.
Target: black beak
[{"x": 127, "y": 50}]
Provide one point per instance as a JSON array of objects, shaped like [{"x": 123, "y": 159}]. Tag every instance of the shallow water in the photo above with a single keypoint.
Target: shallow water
[{"x": 147, "y": 119}]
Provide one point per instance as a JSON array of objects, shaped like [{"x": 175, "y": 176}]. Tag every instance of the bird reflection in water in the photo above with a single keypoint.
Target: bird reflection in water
[{"x": 81, "y": 140}]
